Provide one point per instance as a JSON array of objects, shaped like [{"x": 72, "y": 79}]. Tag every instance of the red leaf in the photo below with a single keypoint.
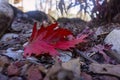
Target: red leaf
[
  {"x": 34, "y": 32},
  {"x": 47, "y": 40},
  {"x": 67, "y": 44}
]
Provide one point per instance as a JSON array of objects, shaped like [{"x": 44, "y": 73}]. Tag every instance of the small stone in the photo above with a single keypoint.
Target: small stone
[
  {"x": 6, "y": 16},
  {"x": 16, "y": 78},
  {"x": 65, "y": 56},
  {"x": 37, "y": 15},
  {"x": 15, "y": 55},
  {"x": 6, "y": 8},
  {"x": 9, "y": 36},
  {"x": 13, "y": 70},
  {"x": 113, "y": 38},
  {"x": 3, "y": 77}
]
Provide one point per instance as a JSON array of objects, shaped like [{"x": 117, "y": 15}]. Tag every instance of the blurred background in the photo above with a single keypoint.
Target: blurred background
[
  {"x": 87, "y": 10},
  {"x": 59, "y": 8}
]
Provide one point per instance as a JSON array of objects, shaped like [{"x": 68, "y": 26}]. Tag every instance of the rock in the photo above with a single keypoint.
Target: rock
[
  {"x": 37, "y": 15},
  {"x": 4, "y": 23},
  {"x": 16, "y": 78},
  {"x": 113, "y": 38},
  {"x": 9, "y": 36},
  {"x": 26, "y": 20},
  {"x": 15, "y": 55},
  {"x": 16, "y": 11},
  {"x": 98, "y": 32},
  {"x": 63, "y": 20},
  {"x": 6, "y": 9},
  {"x": 6, "y": 16},
  {"x": 22, "y": 23},
  {"x": 3, "y": 77},
  {"x": 76, "y": 25},
  {"x": 65, "y": 56}
]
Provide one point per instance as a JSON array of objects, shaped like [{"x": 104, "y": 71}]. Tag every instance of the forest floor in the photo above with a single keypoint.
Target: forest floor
[{"x": 94, "y": 59}]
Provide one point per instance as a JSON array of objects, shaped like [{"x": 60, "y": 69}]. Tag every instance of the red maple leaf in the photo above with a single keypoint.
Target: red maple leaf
[{"x": 47, "y": 40}]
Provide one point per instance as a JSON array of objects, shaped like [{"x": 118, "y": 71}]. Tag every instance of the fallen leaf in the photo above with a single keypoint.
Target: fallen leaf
[
  {"x": 73, "y": 65},
  {"x": 57, "y": 72},
  {"x": 15, "y": 78},
  {"x": 107, "y": 69},
  {"x": 63, "y": 75},
  {"x": 4, "y": 61},
  {"x": 100, "y": 48},
  {"x": 13, "y": 70},
  {"x": 86, "y": 76},
  {"x": 54, "y": 69},
  {"x": 47, "y": 40},
  {"x": 108, "y": 78}
]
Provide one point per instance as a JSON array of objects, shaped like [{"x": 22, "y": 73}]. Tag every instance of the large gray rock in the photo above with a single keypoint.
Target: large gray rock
[
  {"x": 113, "y": 38},
  {"x": 37, "y": 15},
  {"x": 6, "y": 9},
  {"x": 6, "y": 16}
]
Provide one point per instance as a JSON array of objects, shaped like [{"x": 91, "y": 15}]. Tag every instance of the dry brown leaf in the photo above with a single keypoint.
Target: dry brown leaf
[
  {"x": 108, "y": 69},
  {"x": 108, "y": 78},
  {"x": 15, "y": 78},
  {"x": 3, "y": 61},
  {"x": 55, "y": 68},
  {"x": 57, "y": 72},
  {"x": 13, "y": 70},
  {"x": 73, "y": 65},
  {"x": 86, "y": 76}
]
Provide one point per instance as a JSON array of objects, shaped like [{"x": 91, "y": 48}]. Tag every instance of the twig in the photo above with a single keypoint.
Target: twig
[
  {"x": 113, "y": 54},
  {"x": 85, "y": 57}
]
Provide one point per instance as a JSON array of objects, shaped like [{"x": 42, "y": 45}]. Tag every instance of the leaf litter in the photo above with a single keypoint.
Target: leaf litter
[{"x": 89, "y": 58}]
